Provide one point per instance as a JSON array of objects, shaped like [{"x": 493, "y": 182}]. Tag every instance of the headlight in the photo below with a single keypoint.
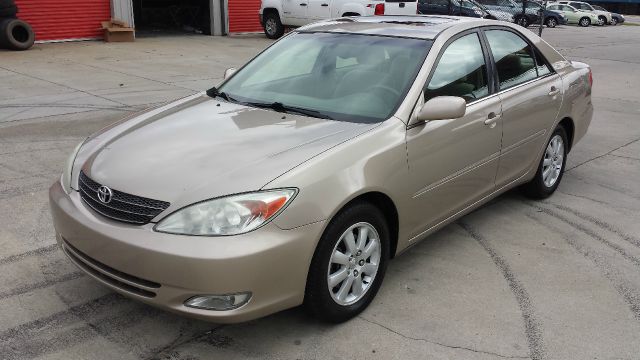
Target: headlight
[
  {"x": 231, "y": 215},
  {"x": 68, "y": 168}
]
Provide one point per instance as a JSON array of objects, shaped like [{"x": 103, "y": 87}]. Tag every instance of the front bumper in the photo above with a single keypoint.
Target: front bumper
[{"x": 164, "y": 270}]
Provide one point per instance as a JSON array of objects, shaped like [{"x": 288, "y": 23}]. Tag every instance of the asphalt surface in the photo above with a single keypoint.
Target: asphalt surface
[{"x": 556, "y": 279}]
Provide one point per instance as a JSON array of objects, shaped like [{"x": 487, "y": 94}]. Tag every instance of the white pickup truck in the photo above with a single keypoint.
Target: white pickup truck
[{"x": 277, "y": 15}]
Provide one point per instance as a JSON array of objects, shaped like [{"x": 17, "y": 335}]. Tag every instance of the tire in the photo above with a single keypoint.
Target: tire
[
  {"x": 16, "y": 34},
  {"x": 330, "y": 304},
  {"x": 8, "y": 12},
  {"x": 602, "y": 20},
  {"x": 545, "y": 183},
  {"x": 273, "y": 27},
  {"x": 551, "y": 22},
  {"x": 614, "y": 21},
  {"x": 522, "y": 21},
  {"x": 585, "y": 22}
]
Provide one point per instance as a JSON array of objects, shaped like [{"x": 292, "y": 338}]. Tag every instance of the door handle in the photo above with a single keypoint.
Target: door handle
[
  {"x": 554, "y": 91},
  {"x": 324, "y": 5},
  {"x": 303, "y": 4},
  {"x": 492, "y": 118}
]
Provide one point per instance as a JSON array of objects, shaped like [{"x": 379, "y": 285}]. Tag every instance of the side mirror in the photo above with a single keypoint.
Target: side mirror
[
  {"x": 229, "y": 72},
  {"x": 443, "y": 107}
]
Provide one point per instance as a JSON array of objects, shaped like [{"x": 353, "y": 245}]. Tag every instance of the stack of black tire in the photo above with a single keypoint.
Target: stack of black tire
[{"x": 15, "y": 34}]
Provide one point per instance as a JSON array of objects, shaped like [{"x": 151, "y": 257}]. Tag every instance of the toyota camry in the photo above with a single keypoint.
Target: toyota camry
[{"x": 299, "y": 177}]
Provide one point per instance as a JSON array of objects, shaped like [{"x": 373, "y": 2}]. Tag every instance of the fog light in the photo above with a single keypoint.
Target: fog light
[{"x": 218, "y": 302}]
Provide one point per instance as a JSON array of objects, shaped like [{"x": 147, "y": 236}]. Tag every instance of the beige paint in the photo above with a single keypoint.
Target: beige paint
[{"x": 199, "y": 148}]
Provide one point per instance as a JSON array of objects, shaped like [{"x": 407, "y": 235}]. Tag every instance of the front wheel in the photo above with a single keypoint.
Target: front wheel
[
  {"x": 602, "y": 20},
  {"x": 551, "y": 167},
  {"x": 273, "y": 28},
  {"x": 552, "y": 22},
  {"x": 349, "y": 264},
  {"x": 614, "y": 21},
  {"x": 585, "y": 22}
]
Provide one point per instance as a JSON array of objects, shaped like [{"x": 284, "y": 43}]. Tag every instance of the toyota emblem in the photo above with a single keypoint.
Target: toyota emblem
[{"x": 105, "y": 194}]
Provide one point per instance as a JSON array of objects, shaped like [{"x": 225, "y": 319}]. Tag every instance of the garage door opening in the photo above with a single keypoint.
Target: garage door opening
[{"x": 170, "y": 17}]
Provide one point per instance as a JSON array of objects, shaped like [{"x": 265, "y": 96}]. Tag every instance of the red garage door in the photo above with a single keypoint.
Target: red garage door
[
  {"x": 64, "y": 19},
  {"x": 243, "y": 16}
]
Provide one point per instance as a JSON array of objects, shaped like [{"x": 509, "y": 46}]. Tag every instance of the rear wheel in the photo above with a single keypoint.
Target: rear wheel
[
  {"x": 552, "y": 22},
  {"x": 349, "y": 264},
  {"x": 551, "y": 167},
  {"x": 273, "y": 28},
  {"x": 585, "y": 21}
]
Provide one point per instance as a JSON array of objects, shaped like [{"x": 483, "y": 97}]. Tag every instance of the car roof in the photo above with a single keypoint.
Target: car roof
[{"x": 412, "y": 26}]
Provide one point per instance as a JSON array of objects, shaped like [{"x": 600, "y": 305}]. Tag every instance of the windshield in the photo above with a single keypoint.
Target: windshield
[{"x": 347, "y": 77}]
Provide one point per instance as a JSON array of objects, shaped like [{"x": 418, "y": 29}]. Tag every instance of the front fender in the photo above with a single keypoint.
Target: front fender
[{"x": 271, "y": 4}]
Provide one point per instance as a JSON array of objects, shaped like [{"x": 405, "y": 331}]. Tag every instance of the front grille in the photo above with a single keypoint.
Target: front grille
[
  {"x": 111, "y": 276},
  {"x": 122, "y": 207}
]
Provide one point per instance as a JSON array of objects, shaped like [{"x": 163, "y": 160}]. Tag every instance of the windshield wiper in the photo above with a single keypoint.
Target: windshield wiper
[
  {"x": 214, "y": 93},
  {"x": 280, "y": 107}
]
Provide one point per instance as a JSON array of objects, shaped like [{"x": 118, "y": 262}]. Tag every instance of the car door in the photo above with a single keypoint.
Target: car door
[
  {"x": 571, "y": 13},
  {"x": 295, "y": 12},
  {"x": 318, "y": 9},
  {"x": 453, "y": 163},
  {"x": 530, "y": 93}
]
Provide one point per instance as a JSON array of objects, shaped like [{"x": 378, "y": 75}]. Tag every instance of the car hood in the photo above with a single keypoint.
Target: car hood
[{"x": 200, "y": 148}]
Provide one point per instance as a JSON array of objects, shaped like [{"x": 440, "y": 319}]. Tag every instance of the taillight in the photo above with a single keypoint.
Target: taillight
[
  {"x": 590, "y": 78},
  {"x": 379, "y": 10}
]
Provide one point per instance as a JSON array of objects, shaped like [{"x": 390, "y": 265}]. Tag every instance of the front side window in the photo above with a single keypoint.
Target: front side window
[
  {"x": 345, "y": 77},
  {"x": 513, "y": 56},
  {"x": 461, "y": 71}
]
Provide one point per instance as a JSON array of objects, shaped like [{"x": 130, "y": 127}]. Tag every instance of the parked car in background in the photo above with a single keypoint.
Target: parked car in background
[
  {"x": 527, "y": 15},
  {"x": 468, "y": 8},
  {"x": 615, "y": 17},
  {"x": 300, "y": 176},
  {"x": 573, "y": 15},
  {"x": 604, "y": 17},
  {"x": 277, "y": 15}
]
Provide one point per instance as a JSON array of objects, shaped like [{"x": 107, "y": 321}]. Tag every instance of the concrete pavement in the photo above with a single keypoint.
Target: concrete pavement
[{"x": 557, "y": 279}]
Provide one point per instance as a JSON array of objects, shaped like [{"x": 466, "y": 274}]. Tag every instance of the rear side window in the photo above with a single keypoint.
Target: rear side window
[
  {"x": 461, "y": 71},
  {"x": 513, "y": 56},
  {"x": 541, "y": 65}
]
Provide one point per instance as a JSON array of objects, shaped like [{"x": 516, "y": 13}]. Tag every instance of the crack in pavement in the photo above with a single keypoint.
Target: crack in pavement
[
  {"x": 601, "y": 224},
  {"x": 623, "y": 287},
  {"x": 39, "y": 285},
  {"x": 45, "y": 250},
  {"x": 603, "y": 155},
  {"x": 456, "y": 347},
  {"x": 62, "y": 85},
  {"x": 532, "y": 327},
  {"x": 586, "y": 231},
  {"x": 159, "y": 353}
]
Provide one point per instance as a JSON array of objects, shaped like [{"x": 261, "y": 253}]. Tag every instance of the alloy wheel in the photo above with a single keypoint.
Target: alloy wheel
[
  {"x": 270, "y": 26},
  {"x": 551, "y": 23},
  {"x": 553, "y": 160},
  {"x": 354, "y": 264}
]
